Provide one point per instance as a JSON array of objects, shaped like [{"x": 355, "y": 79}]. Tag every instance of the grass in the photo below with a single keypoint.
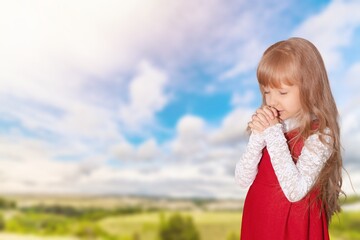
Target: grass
[
  {"x": 219, "y": 225},
  {"x": 10, "y": 236},
  {"x": 215, "y": 225},
  {"x": 143, "y": 225},
  {"x": 211, "y": 225},
  {"x": 345, "y": 226}
]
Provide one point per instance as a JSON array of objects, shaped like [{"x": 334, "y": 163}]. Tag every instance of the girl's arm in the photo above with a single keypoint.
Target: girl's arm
[
  {"x": 246, "y": 167},
  {"x": 296, "y": 179}
]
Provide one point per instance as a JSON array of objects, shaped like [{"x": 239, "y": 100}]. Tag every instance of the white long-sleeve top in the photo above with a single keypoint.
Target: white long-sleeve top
[{"x": 296, "y": 179}]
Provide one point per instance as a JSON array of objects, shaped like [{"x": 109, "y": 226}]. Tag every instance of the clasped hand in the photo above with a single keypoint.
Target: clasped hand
[{"x": 264, "y": 117}]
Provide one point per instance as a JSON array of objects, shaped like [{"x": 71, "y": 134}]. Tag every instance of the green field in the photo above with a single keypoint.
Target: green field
[
  {"x": 211, "y": 225},
  {"x": 12, "y": 236},
  {"x": 79, "y": 220},
  {"x": 217, "y": 225}
]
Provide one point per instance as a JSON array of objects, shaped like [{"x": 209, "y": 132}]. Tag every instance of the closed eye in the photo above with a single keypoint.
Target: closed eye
[{"x": 283, "y": 93}]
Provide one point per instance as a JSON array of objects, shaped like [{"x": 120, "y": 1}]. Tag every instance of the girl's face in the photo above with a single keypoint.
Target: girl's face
[{"x": 285, "y": 99}]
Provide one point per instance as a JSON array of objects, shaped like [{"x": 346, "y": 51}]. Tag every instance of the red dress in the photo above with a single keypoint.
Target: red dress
[{"x": 268, "y": 214}]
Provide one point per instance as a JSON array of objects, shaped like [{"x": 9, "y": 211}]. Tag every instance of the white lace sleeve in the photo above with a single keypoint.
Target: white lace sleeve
[
  {"x": 296, "y": 179},
  {"x": 246, "y": 167}
]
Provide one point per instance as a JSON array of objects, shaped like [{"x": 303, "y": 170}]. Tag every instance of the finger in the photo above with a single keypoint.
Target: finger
[
  {"x": 274, "y": 111},
  {"x": 276, "y": 115},
  {"x": 269, "y": 112},
  {"x": 258, "y": 125},
  {"x": 251, "y": 127},
  {"x": 262, "y": 117}
]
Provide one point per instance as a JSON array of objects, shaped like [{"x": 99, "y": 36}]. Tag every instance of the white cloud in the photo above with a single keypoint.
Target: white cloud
[
  {"x": 74, "y": 120},
  {"x": 244, "y": 99},
  {"x": 188, "y": 176},
  {"x": 233, "y": 127},
  {"x": 80, "y": 36},
  {"x": 28, "y": 165},
  {"x": 351, "y": 180},
  {"x": 353, "y": 75},
  {"x": 124, "y": 151},
  {"x": 178, "y": 179},
  {"x": 96, "y": 38},
  {"x": 350, "y": 127},
  {"x": 190, "y": 127},
  {"x": 148, "y": 150},
  {"x": 248, "y": 59},
  {"x": 146, "y": 97},
  {"x": 190, "y": 140},
  {"x": 89, "y": 121}
]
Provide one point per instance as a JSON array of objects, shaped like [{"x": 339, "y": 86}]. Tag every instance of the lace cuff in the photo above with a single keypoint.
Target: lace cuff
[
  {"x": 296, "y": 179},
  {"x": 246, "y": 167}
]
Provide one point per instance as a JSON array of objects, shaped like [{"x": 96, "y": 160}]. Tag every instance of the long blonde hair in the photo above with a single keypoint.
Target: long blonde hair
[{"x": 297, "y": 61}]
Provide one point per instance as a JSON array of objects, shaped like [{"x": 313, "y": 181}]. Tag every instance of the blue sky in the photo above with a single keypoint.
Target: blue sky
[{"x": 152, "y": 97}]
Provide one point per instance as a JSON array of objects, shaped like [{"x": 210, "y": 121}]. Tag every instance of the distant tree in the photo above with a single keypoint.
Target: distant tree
[
  {"x": 178, "y": 228},
  {"x": 6, "y": 204},
  {"x": 2, "y": 222}
]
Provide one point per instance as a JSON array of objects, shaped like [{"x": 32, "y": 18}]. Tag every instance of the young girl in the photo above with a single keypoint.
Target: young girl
[{"x": 292, "y": 161}]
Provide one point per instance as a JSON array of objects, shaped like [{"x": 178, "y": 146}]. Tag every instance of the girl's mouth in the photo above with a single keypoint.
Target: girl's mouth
[{"x": 278, "y": 112}]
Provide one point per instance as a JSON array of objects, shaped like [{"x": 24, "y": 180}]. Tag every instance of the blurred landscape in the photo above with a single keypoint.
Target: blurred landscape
[{"x": 49, "y": 217}]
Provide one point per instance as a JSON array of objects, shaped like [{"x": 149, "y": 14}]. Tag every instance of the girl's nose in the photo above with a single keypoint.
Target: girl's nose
[{"x": 272, "y": 101}]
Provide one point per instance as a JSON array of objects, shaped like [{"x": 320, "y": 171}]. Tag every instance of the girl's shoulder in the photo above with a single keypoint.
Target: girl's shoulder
[{"x": 296, "y": 142}]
